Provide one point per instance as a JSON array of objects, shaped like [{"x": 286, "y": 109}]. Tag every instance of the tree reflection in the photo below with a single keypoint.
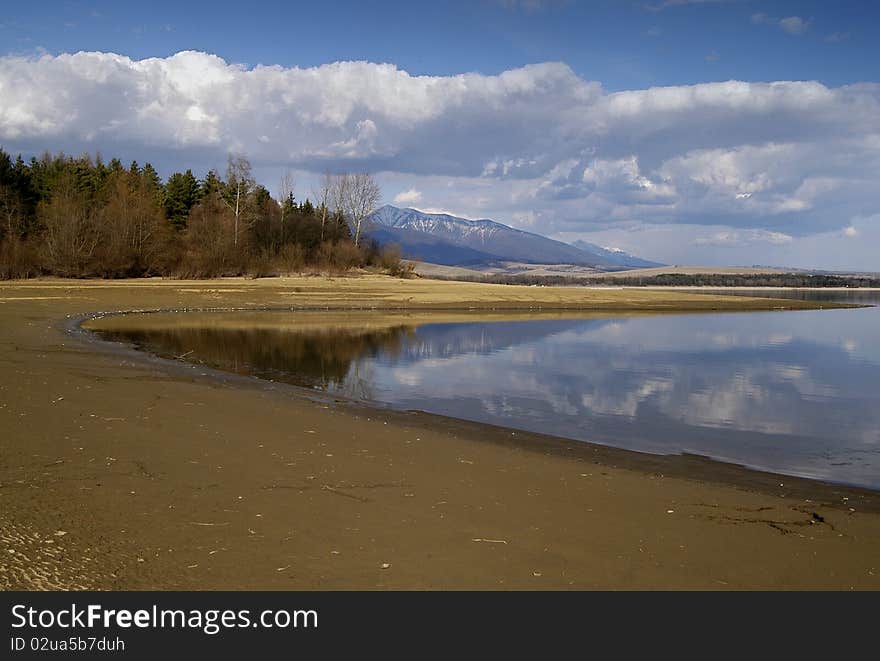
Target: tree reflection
[{"x": 314, "y": 358}]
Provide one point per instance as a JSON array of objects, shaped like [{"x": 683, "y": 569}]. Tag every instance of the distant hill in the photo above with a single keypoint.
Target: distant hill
[
  {"x": 452, "y": 241},
  {"x": 615, "y": 256},
  {"x": 426, "y": 247}
]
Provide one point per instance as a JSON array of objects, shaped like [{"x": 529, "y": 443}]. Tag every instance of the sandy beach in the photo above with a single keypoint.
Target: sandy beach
[{"x": 121, "y": 471}]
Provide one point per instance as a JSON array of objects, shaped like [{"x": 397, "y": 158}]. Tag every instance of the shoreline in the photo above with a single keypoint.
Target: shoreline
[
  {"x": 121, "y": 472},
  {"x": 746, "y": 288}
]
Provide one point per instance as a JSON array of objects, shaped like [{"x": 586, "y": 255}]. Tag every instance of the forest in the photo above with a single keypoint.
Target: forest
[{"x": 81, "y": 217}]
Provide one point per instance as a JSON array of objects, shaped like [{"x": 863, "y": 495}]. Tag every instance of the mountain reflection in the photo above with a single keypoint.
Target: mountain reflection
[
  {"x": 329, "y": 358},
  {"x": 792, "y": 392}
]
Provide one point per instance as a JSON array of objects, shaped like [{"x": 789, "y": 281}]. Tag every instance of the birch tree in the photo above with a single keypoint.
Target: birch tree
[
  {"x": 286, "y": 192},
  {"x": 359, "y": 194},
  {"x": 240, "y": 184},
  {"x": 324, "y": 194}
]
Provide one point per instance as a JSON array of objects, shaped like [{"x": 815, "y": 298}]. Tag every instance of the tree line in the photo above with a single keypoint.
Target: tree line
[
  {"x": 680, "y": 280},
  {"x": 81, "y": 217}
]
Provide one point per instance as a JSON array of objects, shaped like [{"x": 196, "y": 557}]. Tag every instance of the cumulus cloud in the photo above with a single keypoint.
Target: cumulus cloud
[
  {"x": 408, "y": 197},
  {"x": 346, "y": 114},
  {"x": 537, "y": 145}
]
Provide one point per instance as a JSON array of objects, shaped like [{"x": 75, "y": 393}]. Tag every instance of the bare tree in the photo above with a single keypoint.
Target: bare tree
[
  {"x": 286, "y": 192},
  {"x": 11, "y": 213},
  {"x": 359, "y": 194},
  {"x": 130, "y": 227},
  {"x": 71, "y": 235},
  {"x": 324, "y": 193},
  {"x": 338, "y": 188},
  {"x": 209, "y": 249},
  {"x": 240, "y": 184}
]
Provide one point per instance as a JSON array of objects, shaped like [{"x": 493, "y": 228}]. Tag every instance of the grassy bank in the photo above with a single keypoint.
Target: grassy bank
[{"x": 379, "y": 292}]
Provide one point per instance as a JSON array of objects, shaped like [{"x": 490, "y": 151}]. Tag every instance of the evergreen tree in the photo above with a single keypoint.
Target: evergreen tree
[
  {"x": 181, "y": 194},
  {"x": 212, "y": 184},
  {"x": 5, "y": 167},
  {"x": 288, "y": 206},
  {"x": 27, "y": 194},
  {"x": 101, "y": 171},
  {"x": 151, "y": 178},
  {"x": 152, "y": 182},
  {"x": 85, "y": 175},
  {"x": 261, "y": 196}
]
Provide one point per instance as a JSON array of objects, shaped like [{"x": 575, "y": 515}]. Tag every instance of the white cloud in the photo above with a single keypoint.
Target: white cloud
[
  {"x": 537, "y": 146},
  {"x": 346, "y": 114},
  {"x": 743, "y": 238},
  {"x": 837, "y": 37},
  {"x": 794, "y": 25},
  {"x": 695, "y": 244},
  {"x": 408, "y": 197},
  {"x": 531, "y": 6},
  {"x": 666, "y": 4}
]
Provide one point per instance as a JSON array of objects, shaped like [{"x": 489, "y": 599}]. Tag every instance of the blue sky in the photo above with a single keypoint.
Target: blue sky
[
  {"x": 609, "y": 121},
  {"x": 624, "y": 44}
]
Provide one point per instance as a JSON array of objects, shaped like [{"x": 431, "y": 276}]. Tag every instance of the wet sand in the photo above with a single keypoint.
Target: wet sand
[{"x": 119, "y": 471}]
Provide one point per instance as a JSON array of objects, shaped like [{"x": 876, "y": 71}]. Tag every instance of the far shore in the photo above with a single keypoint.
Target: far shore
[
  {"x": 120, "y": 471},
  {"x": 698, "y": 288},
  {"x": 382, "y": 292}
]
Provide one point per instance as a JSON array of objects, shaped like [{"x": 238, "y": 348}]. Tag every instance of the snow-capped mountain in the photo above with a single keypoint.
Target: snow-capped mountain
[
  {"x": 616, "y": 256},
  {"x": 444, "y": 239}
]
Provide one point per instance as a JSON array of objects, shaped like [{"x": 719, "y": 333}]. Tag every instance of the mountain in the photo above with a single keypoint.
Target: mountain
[
  {"x": 615, "y": 256},
  {"x": 424, "y": 247},
  {"x": 443, "y": 239}
]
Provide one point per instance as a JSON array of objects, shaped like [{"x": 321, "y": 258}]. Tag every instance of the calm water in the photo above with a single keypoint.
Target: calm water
[{"x": 793, "y": 392}]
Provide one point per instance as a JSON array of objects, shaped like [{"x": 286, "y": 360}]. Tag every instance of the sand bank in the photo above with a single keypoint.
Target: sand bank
[{"x": 119, "y": 472}]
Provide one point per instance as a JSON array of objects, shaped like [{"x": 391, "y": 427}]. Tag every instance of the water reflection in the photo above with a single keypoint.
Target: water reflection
[
  {"x": 794, "y": 392},
  {"x": 315, "y": 358}
]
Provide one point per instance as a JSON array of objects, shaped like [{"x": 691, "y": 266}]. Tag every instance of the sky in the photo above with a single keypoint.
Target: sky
[{"x": 711, "y": 132}]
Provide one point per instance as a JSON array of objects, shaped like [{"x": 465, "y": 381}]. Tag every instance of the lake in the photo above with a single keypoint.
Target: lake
[{"x": 795, "y": 392}]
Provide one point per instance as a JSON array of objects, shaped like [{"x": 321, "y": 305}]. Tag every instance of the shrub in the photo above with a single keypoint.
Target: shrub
[
  {"x": 390, "y": 261},
  {"x": 18, "y": 259},
  {"x": 292, "y": 258}
]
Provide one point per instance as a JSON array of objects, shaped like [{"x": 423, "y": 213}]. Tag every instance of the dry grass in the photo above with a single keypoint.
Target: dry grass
[{"x": 378, "y": 292}]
